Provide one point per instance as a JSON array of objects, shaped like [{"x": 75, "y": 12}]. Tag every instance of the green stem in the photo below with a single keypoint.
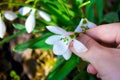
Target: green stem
[
  {"x": 83, "y": 15},
  {"x": 35, "y": 2},
  {"x": 84, "y": 4},
  {"x": 65, "y": 8},
  {"x": 11, "y": 37}
]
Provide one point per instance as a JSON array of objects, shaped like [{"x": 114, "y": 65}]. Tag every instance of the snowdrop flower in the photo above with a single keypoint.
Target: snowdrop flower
[
  {"x": 24, "y": 10},
  {"x": 30, "y": 22},
  {"x": 61, "y": 41},
  {"x": 44, "y": 15},
  {"x": 9, "y": 15},
  {"x": 84, "y": 25},
  {"x": 2, "y": 28}
]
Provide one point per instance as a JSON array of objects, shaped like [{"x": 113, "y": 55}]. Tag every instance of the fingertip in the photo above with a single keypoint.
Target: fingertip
[
  {"x": 80, "y": 54},
  {"x": 72, "y": 48},
  {"x": 91, "y": 69}
]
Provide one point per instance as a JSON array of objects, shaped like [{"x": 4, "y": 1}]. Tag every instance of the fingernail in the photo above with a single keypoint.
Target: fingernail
[{"x": 79, "y": 47}]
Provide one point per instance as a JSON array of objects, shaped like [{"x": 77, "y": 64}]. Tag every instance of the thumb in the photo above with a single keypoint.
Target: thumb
[{"x": 94, "y": 49}]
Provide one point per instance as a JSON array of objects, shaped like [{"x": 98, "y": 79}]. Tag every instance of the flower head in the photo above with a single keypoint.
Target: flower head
[
  {"x": 24, "y": 10},
  {"x": 30, "y": 22},
  {"x": 44, "y": 15},
  {"x": 61, "y": 41},
  {"x": 9, "y": 15},
  {"x": 84, "y": 25}
]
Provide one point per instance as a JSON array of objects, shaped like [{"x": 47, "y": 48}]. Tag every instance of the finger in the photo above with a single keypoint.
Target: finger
[
  {"x": 91, "y": 69},
  {"x": 87, "y": 41},
  {"x": 109, "y": 33},
  {"x": 92, "y": 46}
]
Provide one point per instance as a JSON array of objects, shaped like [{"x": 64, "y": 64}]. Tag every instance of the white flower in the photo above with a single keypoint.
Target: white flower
[
  {"x": 2, "y": 28},
  {"x": 44, "y": 15},
  {"x": 30, "y": 22},
  {"x": 61, "y": 42},
  {"x": 24, "y": 10},
  {"x": 9, "y": 15},
  {"x": 84, "y": 24}
]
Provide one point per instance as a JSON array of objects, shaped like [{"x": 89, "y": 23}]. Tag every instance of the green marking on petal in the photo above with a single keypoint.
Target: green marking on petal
[
  {"x": 74, "y": 35},
  {"x": 84, "y": 21}
]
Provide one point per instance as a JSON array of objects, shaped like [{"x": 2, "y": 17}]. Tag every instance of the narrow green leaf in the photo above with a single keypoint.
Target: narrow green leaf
[
  {"x": 62, "y": 17},
  {"x": 65, "y": 69},
  {"x": 41, "y": 44},
  {"x": 90, "y": 11},
  {"x": 84, "y": 4},
  {"x": 18, "y": 26},
  {"x": 7, "y": 39},
  {"x": 33, "y": 43},
  {"x": 99, "y": 8},
  {"x": 59, "y": 63}
]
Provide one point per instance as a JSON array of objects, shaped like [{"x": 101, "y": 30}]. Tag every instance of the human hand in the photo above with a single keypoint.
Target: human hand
[{"x": 104, "y": 60}]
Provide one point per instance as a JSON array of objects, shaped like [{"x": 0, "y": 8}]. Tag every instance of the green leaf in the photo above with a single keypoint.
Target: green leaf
[
  {"x": 18, "y": 26},
  {"x": 111, "y": 17},
  {"x": 33, "y": 43},
  {"x": 7, "y": 39},
  {"x": 59, "y": 15},
  {"x": 84, "y": 4},
  {"x": 41, "y": 44},
  {"x": 60, "y": 62},
  {"x": 63, "y": 71},
  {"x": 99, "y": 8},
  {"x": 90, "y": 11}
]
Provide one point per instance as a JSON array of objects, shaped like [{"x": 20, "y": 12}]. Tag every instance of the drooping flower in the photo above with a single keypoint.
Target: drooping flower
[
  {"x": 61, "y": 42},
  {"x": 9, "y": 15},
  {"x": 44, "y": 15},
  {"x": 2, "y": 28},
  {"x": 30, "y": 22},
  {"x": 24, "y": 10},
  {"x": 84, "y": 25}
]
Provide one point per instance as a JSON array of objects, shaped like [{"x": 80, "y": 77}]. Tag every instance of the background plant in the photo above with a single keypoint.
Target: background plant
[{"x": 63, "y": 13}]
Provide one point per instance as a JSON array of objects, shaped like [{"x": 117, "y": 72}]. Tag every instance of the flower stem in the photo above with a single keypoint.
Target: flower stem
[
  {"x": 84, "y": 4},
  {"x": 35, "y": 2}
]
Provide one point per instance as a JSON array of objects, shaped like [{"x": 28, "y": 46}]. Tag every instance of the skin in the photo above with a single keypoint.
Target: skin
[{"x": 103, "y": 43}]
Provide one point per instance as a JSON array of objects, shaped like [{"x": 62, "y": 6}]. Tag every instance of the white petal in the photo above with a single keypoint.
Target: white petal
[
  {"x": 44, "y": 15},
  {"x": 30, "y": 22},
  {"x": 9, "y": 15},
  {"x": 78, "y": 46},
  {"x": 52, "y": 39},
  {"x": 56, "y": 30},
  {"x": 79, "y": 29},
  {"x": 67, "y": 54},
  {"x": 59, "y": 48},
  {"x": 24, "y": 10},
  {"x": 91, "y": 24},
  {"x": 2, "y": 28}
]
